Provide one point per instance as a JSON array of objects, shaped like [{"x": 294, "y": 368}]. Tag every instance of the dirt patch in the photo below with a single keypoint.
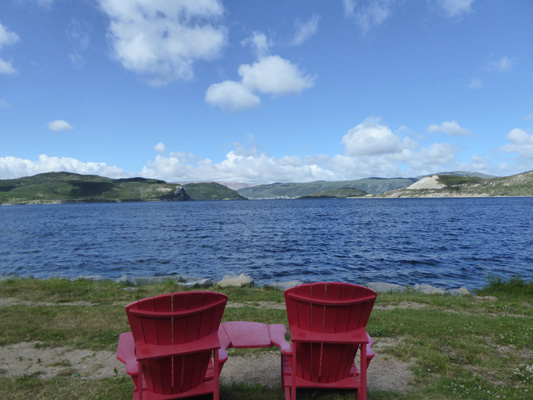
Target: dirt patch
[
  {"x": 28, "y": 358},
  {"x": 9, "y": 302},
  {"x": 384, "y": 373},
  {"x": 403, "y": 304}
]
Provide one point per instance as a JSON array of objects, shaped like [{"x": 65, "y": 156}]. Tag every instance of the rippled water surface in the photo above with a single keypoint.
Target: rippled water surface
[{"x": 443, "y": 242}]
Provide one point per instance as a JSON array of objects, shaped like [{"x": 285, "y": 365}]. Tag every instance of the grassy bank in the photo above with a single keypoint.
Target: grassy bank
[{"x": 459, "y": 346}]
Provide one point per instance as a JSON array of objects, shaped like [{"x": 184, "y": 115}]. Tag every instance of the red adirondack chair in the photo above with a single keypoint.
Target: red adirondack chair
[
  {"x": 327, "y": 323},
  {"x": 176, "y": 345}
]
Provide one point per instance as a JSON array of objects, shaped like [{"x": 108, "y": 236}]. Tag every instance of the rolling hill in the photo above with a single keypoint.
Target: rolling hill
[{"x": 65, "y": 187}]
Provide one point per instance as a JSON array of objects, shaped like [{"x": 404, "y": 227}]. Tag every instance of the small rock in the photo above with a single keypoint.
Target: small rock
[
  {"x": 203, "y": 282},
  {"x": 7, "y": 277},
  {"x": 285, "y": 285},
  {"x": 234, "y": 280},
  {"x": 459, "y": 292},
  {"x": 382, "y": 287},
  {"x": 145, "y": 280},
  {"x": 428, "y": 289},
  {"x": 88, "y": 278},
  {"x": 488, "y": 298}
]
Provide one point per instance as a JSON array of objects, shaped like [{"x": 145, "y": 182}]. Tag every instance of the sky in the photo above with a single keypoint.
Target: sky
[{"x": 261, "y": 91}]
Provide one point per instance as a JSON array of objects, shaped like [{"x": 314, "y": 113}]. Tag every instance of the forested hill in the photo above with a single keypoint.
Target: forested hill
[{"x": 65, "y": 187}]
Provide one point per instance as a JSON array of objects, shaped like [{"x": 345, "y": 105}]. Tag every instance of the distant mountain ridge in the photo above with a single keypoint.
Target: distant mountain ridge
[
  {"x": 372, "y": 186},
  {"x": 66, "y": 187},
  {"x": 295, "y": 190}
]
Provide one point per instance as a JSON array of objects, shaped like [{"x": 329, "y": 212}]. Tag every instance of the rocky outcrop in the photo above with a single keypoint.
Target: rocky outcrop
[
  {"x": 429, "y": 182},
  {"x": 181, "y": 279},
  {"x": 382, "y": 287},
  {"x": 285, "y": 285},
  {"x": 232, "y": 280},
  {"x": 236, "y": 280},
  {"x": 180, "y": 194}
]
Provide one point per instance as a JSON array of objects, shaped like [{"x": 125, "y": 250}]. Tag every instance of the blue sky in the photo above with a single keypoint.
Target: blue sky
[{"x": 264, "y": 91}]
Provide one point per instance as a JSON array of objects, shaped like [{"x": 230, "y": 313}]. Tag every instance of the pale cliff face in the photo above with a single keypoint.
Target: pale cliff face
[{"x": 429, "y": 182}]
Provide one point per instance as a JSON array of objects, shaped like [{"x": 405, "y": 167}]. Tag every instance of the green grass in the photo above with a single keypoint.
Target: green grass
[
  {"x": 459, "y": 346},
  {"x": 515, "y": 288}
]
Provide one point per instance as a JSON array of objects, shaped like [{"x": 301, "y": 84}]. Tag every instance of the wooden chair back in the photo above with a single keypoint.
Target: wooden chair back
[
  {"x": 328, "y": 308},
  {"x": 175, "y": 319}
]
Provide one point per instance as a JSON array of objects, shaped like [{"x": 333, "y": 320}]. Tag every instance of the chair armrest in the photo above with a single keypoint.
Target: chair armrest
[
  {"x": 277, "y": 337},
  {"x": 225, "y": 343},
  {"x": 358, "y": 336},
  {"x": 126, "y": 353},
  {"x": 145, "y": 351}
]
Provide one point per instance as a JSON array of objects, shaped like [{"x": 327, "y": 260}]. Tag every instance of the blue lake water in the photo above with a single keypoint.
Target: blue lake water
[{"x": 443, "y": 242}]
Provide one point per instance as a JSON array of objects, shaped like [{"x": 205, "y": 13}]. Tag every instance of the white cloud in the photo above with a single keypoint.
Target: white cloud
[
  {"x": 502, "y": 65},
  {"x": 374, "y": 157},
  {"x": 371, "y": 138},
  {"x": 368, "y": 13},
  {"x": 259, "y": 42},
  {"x": 475, "y": 83},
  {"x": 231, "y": 96},
  {"x": 6, "y": 68},
  {"x": 238, "y": 167},
  {"x": 12, "y": 167},
  {"x": 250, "y": 165},
  {"x": 438, "y": 154},
  {"x": 270, "y": 74},
  {"x": 7, "y": 38},
  {"x": 160, "y": 148},
  {"x": 456, "y": 8},
  {"x": 520, "y": 142},
  {"x": 372, "y": 149},
  {"x": 59, "y": 125},
  {"x": 163, "y": 39},
  {"x": 4, "y": 104},
  {"x": 529, "y": 117},
  {"x": 305, "y": 30},
  {"x": 274, "y": 75},
  {"x": 451, "y": 128}
]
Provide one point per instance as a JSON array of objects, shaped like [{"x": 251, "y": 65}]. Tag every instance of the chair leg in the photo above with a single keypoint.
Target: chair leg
[
  {"x": 217, "y": 376},
  {"x": 140, "y": 380},
  {"x": 293, "y": 386},
  {"x": 361, "y": 392}
]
